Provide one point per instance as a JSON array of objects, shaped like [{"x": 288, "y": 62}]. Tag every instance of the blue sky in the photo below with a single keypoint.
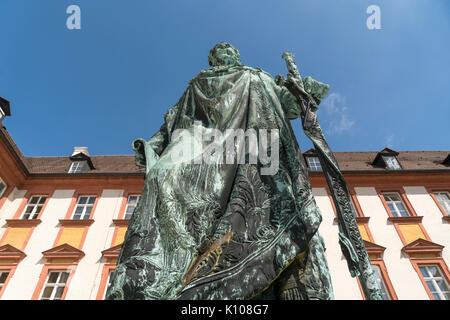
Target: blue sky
[{"x": 113, "y": 80}]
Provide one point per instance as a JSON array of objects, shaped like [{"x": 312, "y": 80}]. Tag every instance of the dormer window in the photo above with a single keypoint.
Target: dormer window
[
  {"x": 78, "y": 167},
  {"x": 391, "y": 162},
  {"x": 2, "y": 187},
  {"x": 447, "y": 160},
  {"x": 81, "y": 161},
  {"x": 312, "y": 160},
  {"x": 314, "y": 164},
  {"x": 4, "y": 108},
  {"x": 387, "y": 158}
]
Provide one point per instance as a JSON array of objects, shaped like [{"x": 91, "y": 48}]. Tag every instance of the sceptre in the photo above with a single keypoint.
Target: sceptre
[{"x": 350, "y": 240}]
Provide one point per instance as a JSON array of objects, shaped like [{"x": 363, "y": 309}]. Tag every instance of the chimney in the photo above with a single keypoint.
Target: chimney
[{"x": 83, "y": 150}]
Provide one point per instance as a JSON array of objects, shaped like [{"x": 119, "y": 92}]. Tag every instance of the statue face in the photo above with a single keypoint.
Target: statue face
[{"x": 224, "y": 54}]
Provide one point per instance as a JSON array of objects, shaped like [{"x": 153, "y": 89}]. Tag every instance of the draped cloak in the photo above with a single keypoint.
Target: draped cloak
[{"x": 215, "y": 230}]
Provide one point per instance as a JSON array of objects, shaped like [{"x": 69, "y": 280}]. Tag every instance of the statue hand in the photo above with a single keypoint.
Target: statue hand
[
  {"x": 315, "y": 88},
  {"x": 138, "y": 146}
]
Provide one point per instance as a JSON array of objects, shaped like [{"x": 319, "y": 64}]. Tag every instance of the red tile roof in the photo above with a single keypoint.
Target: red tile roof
[
  {"x": 125, "y": 164},
  {"x": 102, "y": 164},
  {"x": 409, "y": 160}
]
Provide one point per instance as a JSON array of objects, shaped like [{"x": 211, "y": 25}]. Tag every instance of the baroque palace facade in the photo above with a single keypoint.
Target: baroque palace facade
[{"x": 63, "y": 219}]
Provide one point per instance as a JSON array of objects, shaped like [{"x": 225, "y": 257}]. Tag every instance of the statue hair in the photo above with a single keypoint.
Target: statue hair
[{"x": 214, "y": 61}]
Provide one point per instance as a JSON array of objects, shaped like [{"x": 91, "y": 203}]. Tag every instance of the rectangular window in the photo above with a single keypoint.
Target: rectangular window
[
  {"x": 379, "y": 277},
  {"x": 108, "y": 283},
  {"x": 55, "y": 285},
  {"x": 437, "y": 284},
  {"x": 444, "y": 200},
  {"x": 2, "y": 187},
  {"x": 131, "y": 204},
  {"x": 396, "y": 205},
  {"x": 34, "y": 207},
  {"x": 314, "y": 164},
  {"x": 84, "y": 207},
  {"x": 78, "y": 166},
  {"x": 391, "y": 162},
  {"x": 3, "y": 276}
]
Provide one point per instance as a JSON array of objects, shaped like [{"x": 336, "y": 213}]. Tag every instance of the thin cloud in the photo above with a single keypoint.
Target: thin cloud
[
  {"x": 389, "y": 141},
  {"x": 338, "y": 119},
  {"x": 392, "y": 140}
]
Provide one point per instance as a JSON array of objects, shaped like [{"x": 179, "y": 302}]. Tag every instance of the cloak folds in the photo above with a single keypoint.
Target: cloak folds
[{"x": 215, "y": 230}]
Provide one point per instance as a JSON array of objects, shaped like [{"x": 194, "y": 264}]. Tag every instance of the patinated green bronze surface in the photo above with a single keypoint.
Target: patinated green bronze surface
[
  {"x": 308, "y": 93},
  {"x": 215, "y": 230}
]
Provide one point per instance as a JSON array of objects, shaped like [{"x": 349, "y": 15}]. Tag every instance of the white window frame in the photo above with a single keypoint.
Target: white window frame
[
  {"x": 8, "y": 272},
  {"x": 84, "y": 206},
  {"x": 396, "y": 211},
  {"x": 315, "y": 166},
  {"x": 130, "y": 205},
  {"x": 34, "y": 214},
  {"x": 392, "y": 162},
  {"x": 434, "y": 279},
  {"x": 381, "y": 282},
  {"x": 78, "y": 166},
  {"x": 56, "y": 285},
  {"x": 445, "y": 204},
  {"x": 2, "y": 182}
]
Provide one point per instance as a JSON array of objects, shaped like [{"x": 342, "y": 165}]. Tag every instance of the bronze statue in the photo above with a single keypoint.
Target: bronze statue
[{"x": 224, "y": 214}]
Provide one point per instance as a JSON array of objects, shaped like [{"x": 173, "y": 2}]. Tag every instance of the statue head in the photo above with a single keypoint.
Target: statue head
[{"x": 224, "y": 54}]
